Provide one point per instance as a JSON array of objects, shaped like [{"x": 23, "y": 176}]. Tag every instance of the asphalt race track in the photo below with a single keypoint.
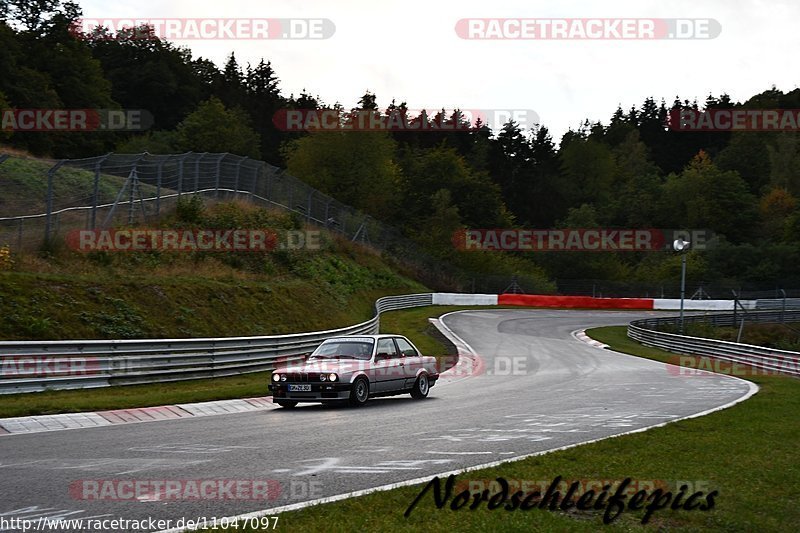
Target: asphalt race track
[{"x": 538, "y": 388}]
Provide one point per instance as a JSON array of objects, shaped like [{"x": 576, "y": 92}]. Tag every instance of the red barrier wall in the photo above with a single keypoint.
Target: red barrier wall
[{"x": 571, "y": 302}]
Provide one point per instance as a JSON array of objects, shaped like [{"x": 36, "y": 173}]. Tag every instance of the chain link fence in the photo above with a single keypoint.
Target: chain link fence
[{"x": 127, "y": 189}]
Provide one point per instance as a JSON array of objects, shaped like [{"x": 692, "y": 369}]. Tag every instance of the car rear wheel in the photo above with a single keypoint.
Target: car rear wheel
[
  {"x": 287, "y": 404},
  {"x": 421, "y": 387},
  {"x": 360, "y": 393}
]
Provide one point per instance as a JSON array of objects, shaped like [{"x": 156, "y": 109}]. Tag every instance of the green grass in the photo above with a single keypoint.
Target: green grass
[
  {"x": 130, "y": 396},
  {"x": 24, "y": 186},
  {"x": 747, "y": 453}
]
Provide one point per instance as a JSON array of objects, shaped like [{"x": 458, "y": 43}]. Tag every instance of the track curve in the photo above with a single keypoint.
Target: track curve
[{"x": 537, "y": 389}]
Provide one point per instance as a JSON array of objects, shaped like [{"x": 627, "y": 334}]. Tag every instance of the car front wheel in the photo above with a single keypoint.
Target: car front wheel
[
  {"x": 421, "y": 387},
  {"x": 360, "y": 393}
]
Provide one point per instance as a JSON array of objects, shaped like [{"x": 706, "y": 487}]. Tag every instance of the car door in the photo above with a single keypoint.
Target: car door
[
  {"x": 412, "y": 361},
  {"x": 389, "y": 367}
]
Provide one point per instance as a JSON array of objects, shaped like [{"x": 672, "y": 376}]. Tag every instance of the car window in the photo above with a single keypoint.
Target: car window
[
  {"x": 340, "y": 348},
  {"x": 405, "y": 347},
  {"x": 386, "y": 346}
]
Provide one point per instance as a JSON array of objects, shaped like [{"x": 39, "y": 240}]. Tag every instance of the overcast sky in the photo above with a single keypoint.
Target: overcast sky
[{"x": 409, "y": 50}]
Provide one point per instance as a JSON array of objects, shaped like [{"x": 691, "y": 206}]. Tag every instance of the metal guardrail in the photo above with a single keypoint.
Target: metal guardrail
[
  {"x": 778, "y": 303},
  {"x": 768, "y": 359},
  {"x": 31, "y": 366}
]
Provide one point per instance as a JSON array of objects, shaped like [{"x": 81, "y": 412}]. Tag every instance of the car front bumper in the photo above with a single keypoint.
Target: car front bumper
[{"x": 320, "y": 392}]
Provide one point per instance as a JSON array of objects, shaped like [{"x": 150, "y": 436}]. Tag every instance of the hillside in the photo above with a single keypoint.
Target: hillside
[{"x": 68, "y": 294}]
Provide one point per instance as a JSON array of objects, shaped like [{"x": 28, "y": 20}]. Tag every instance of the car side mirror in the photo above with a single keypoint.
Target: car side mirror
[{"x": 381, "y": 356}]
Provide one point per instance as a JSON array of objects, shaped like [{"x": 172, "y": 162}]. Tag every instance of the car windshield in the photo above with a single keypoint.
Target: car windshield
[{"x": 344, "y": 349}]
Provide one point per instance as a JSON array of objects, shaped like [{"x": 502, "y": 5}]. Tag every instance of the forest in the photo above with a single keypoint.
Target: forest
[{"x": 630, "y": 171}]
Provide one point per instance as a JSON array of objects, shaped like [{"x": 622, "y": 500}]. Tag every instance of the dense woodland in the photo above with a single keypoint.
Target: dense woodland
[{"x": 631, "y": 171}]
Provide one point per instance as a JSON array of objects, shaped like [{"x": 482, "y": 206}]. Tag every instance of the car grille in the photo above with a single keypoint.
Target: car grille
[{"x": 302, "y": 377}]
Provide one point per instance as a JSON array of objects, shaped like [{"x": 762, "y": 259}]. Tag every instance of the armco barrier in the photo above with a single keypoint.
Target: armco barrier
[
  {"x": 29, "y": 366},
  {"x": 767, "y": 359},
  {"x": 451, "y": 298},
  {"x": 699, "y": 305}
]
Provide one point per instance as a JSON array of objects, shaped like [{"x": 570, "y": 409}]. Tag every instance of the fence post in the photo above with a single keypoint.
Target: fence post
[
  {"x": 159, "y": 178},
  {"x": 96, "y": 190},
  {"x": 133, "y": 178},
  {"x": 197, "y": 171},
  {"x": 238, "y": 173},
  {"x": 217, "y": 171},
  {"x": 19, "y": 234},
  {"x": 48, "y": 225},
  {"x": 180, "y": 174},
  {"x": 310, "y": 200},
  {"x": 267, "y": 185},
  {"x": 783, "y": 306},
  {"x": 256, "y": 171}
]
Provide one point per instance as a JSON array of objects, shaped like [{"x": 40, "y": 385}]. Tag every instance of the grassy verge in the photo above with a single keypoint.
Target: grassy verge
[
  {"x": 76, "y": 401},
  {"x": 747, "y": 453}
]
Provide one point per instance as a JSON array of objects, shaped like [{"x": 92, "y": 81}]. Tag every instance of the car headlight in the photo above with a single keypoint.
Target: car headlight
[
  {"x": 276, "y": 377},
  {"x": 322, "y": 377},
  {"x": 283, "y": 377},
  {"x": 333, "y": 377}
]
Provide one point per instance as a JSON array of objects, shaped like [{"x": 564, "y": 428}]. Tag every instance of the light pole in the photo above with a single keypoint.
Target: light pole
[{"x": 679, "y": 245}]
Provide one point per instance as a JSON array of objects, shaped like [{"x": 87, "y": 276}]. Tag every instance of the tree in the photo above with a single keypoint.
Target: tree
[
  {"x": 703, "y": 196},
  {"x": 478, "y": 200},
  {"x": 784, "y": 158},
  {"x": 776, "y": 206},
  {"x": 589, "y": 166},
  {"x": 213, "y": 128},
  {"x": 357, "y": 168},
  {"x": 263, "y": 101},
  {"x": 747, "y": 154}
]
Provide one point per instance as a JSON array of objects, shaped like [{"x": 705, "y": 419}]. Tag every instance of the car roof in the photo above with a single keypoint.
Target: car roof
[{"x": 373, "y": 337}]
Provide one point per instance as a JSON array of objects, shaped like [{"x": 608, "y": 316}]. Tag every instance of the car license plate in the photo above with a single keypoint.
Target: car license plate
[{"x": 299, "y": 388}]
